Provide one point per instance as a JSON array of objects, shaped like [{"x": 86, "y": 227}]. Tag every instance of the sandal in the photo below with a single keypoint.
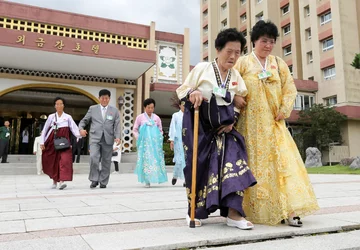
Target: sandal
[
  {"x": 295, "y": 222},
  {"x": 241, "y": 224},
  {"x": 197, "y": 221}
]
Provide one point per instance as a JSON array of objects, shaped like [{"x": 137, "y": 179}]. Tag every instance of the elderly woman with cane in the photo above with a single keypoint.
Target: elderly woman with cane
[{"x": 222, "y": 173}]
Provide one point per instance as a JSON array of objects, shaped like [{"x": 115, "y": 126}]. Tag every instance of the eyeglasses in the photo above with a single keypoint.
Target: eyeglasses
[{"x": 265, "y": 41}]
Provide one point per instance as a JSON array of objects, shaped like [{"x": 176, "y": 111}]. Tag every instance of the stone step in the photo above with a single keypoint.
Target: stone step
[
  {"x": 79, "y": 168},
  {"x": 125, "y": 158}
]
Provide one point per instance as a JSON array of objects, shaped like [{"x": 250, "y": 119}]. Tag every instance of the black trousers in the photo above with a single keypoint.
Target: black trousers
[
  {"x": 76, "y": 151},
  {"x": 116, "y": 166},
  {"x": 4, "y": 149}
]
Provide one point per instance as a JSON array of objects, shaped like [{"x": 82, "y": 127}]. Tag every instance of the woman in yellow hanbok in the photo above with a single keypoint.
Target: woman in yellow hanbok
[{"x": 284, "y": 191}]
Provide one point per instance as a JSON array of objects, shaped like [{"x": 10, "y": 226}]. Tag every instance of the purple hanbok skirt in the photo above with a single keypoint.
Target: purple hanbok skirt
[{"x": 222, "y": 170}]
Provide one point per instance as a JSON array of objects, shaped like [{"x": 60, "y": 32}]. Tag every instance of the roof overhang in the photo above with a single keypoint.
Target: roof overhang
[{"x": 112, "y": 60}]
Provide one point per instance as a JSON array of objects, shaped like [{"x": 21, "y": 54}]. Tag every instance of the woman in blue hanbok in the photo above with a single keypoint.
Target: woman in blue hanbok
[
  {"x": 175, "y": 138},
  {"x": 150, "y": 165}
]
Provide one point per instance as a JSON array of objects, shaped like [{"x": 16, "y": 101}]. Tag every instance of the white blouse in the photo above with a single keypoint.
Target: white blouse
[
  {"x": 203, "y": 78},
  {"x": 64, "y": 120}
]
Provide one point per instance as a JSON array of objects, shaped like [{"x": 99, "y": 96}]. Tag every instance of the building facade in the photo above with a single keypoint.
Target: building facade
[
  {"x": 47, "y": 53},
  {"x": 318, "y": 40}
]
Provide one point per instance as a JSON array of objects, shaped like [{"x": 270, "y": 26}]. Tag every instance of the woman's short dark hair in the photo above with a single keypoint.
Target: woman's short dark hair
[
  {"x": 148, "y": 102},
  {"x": 262, "y": 28},
  {"x": 104, "y": 92},
  {"x": 229, "y": 35},
  {"x": 59, "y": 98}
]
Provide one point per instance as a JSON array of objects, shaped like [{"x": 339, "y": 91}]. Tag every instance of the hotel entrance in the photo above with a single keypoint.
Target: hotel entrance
[{"x": 27, "y": 109}]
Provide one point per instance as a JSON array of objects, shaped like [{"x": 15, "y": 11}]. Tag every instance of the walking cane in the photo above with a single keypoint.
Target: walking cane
[{"x": 194, "y": 168}]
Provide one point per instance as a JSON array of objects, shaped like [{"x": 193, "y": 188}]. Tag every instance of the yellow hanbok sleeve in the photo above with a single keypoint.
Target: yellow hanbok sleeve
[
  {"x": 288, "y": 88},
  {"x": 192, "y": 81},
  {"x": 239, "y": 65}
]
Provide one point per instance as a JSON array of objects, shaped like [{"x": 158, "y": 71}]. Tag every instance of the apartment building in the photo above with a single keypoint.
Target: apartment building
[{"x": 318, "y": 40}]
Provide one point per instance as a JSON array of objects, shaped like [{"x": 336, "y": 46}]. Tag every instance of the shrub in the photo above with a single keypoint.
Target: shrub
[{"x": 168, "y": 154}]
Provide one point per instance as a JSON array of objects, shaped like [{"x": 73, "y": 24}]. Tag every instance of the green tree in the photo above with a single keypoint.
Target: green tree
[
  {"x": 356, "y": 62},
  {"x": 320, "y": 126}
]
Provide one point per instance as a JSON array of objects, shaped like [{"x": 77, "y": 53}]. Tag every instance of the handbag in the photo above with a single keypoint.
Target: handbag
[
  {"x": 60, "y": 143},
  {"x": 115, "y": 153}
]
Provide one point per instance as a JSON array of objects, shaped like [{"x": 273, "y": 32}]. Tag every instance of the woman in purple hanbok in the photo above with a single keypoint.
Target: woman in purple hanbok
[{"x": 222, "y": 170}]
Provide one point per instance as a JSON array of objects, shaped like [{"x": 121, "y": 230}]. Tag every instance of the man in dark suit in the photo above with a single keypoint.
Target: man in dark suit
[
  {"x": 104, "y": 123},
  {"x": 5, "y": 133}
]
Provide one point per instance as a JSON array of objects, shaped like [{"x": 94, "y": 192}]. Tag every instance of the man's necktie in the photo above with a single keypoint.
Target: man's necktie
[{"x": 103, "y": 112}]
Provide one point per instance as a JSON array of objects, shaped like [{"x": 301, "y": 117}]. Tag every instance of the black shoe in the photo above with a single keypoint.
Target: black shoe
[
  {"x": 94, "y": 184},
  {"x": 184, "y": 185},
  {"x": 102, "y": 186},
  {"x": 173, "y": 181}
]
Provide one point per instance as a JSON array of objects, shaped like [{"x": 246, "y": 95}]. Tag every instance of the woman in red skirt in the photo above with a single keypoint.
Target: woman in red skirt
[{"x": 57, "y": 164}]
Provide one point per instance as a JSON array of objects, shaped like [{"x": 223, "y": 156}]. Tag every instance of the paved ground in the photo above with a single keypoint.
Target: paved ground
[{"x": 127, "y": 215}]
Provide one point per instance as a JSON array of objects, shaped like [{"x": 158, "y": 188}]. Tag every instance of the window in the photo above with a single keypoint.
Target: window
[
  {"x": 259, "y": 17},
  {"x": 291, "y": 69},
  {"x": 308, "y": 33},
  {"x": 244, "y": 33},
  {"x": 286, "y": 29},
  {"x": 307, "y": 11},
  {"x": 298, "y": 102},
  {"x": 328, "y": 44},
  {"x": 205, "y": 14},
  {"x": 329, "y": 73},
  {"x": 224, "y": 24},
  {"x": 259, "y": 1},
  {"x": 223, "y": 6},
  {"x": 308, "y": 101},
  {"x": 309, "y": 57},
  {"x": 304, "y": 102},
  {"x": 325, "y": 18},
  {"x": 206, "y": 29},
  {"x": 242, "y": 2},
  {"x": 243, "y": 17},
  {"x": 287, "y": 50},
  {"x": 330, "y": 101},
  {"x": 205, "y": 45},
  {"x": 311, "y": 78},
  {"x": 246, "y": 51},
  {"x": 285, "y": 9}
]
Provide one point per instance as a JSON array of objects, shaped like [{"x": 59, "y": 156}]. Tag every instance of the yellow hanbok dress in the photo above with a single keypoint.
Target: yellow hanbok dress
[{"x": 283, "y": 183}]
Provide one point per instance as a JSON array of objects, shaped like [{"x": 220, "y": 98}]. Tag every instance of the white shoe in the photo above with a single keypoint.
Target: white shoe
[
  {"x": 54, "y": 186},
  {"x": 115, "y": 172},
  {"x": 242, "y": 224},
  {"x": 295, "y": 222},
  {"x": 62, "y": 186},
  {"x": 197, "y": 221}
]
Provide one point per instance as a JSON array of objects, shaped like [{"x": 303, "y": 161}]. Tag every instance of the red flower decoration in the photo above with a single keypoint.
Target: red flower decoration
[
  {"x": 273, "y": 67},
  {"x": 234, "y": 83}
]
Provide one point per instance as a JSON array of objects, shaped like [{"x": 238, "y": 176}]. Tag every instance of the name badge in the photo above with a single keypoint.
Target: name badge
[
  {"x": 109, "y": 117},
  {"x": 219, "y": 91},
  {"x": 264, "y": 75},
  {"x": 7, "y": 134}
]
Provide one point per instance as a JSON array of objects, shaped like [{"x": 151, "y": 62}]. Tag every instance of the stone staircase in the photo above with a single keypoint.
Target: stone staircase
[{"x": 26, "y": 165}]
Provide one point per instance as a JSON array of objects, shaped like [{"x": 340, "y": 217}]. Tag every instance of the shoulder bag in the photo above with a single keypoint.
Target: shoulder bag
[{"x": 60, "y": 143}]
